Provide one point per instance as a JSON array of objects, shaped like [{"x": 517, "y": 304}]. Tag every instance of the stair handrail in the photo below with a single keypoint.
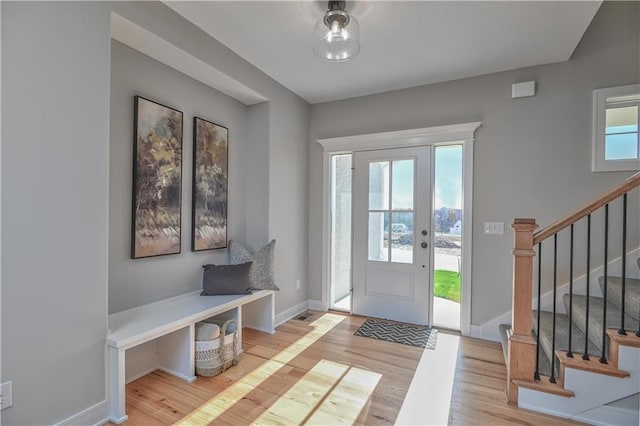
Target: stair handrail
[
  {"x": 521, "y": 358},
  {"x": 625, "y": 186}
]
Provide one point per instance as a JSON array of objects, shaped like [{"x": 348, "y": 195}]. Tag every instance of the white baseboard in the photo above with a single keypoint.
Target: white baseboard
[
  {"x": 97, "y": 414},
  {"x": 140, "y": 374},
  {"x": 476, "y": 331},
  {"x": 261, "y": 329},
  {"x": 606, "y": 415},
  {"x": 141, "y": 360},
  {"x": 188, "y": 379},
  {"x": 118, "y": 421},
  {"x": 287, "y": 314},
  {"x": 489, "y": 330},
  {"x": 315, "y": 305}
]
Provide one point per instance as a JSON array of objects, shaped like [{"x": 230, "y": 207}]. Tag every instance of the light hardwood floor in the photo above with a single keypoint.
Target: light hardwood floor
[{"x": 318, "y": 372}]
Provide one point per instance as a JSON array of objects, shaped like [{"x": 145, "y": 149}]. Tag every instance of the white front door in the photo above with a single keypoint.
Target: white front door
[{"x": 391, "y": 234}]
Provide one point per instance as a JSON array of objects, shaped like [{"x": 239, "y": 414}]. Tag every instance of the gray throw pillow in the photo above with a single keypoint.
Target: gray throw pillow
[
  {"x": 226, "y": 279},
  {"x": 262, "y": 271}
]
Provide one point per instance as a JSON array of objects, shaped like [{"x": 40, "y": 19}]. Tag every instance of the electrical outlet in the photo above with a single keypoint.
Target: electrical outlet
[
  {"x": 297, "y": 284},
  {"x": 6, "y": 397}
]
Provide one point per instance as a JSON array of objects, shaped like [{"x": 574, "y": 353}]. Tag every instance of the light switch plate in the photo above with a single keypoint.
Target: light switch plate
[{"x": 494, "y": 228}]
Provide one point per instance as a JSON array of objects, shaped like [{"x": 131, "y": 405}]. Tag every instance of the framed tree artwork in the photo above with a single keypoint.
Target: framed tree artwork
[
  {"x": 210, "y": 185},
  {"x": 157, "y": 180}
]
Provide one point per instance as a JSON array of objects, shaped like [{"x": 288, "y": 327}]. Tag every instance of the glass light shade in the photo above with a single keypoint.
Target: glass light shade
[{"x": 337, "y": 36}]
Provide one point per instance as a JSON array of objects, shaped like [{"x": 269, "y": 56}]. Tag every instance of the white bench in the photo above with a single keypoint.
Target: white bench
[{"x": 169, "y": 325}]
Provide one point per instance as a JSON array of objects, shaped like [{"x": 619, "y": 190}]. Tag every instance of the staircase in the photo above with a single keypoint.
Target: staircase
[
  {"x": 544, "y": 327},
  {"x": 577, "y": 355}
]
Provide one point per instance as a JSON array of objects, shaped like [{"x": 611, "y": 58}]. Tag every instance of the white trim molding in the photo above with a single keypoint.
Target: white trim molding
[
  {"x": 291, "y": 312},
  {"x": 97, "y": 414},
  {"x": 467, "y": 235},
  {"x": 150, "y": 44},
  {"x": 463, "y": 134},
  {"x": 401, "y": 138}
]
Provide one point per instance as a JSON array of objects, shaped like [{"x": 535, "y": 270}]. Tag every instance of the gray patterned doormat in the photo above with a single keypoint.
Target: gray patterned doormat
[{"x": 398, "y": 332}]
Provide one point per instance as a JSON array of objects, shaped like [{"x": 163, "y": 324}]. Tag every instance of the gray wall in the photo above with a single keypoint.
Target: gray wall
[
  {"x": 55, "y": 151},
  {"x": 55, "y": 191},
  {"x": 288, "y": 198},
  {"x": 257, "y": 173},
  {"x": 276, "y": 155},
  {"x": 532, "y": 155},
  {"x": 139, "y": 281}
]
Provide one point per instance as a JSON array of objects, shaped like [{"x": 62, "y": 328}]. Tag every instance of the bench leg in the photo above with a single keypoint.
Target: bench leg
[
  {"x": 115, "y": 376},
  {"x": 259, "y": 314}
]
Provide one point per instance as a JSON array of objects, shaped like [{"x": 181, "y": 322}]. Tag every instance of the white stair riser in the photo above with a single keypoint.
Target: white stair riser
[{"x": 591, "y": 389}]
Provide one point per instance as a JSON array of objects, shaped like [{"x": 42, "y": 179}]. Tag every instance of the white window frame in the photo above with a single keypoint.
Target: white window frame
[{"x": 622, "y": 94}]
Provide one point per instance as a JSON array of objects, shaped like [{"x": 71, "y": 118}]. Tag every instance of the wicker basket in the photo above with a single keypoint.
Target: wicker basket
[{"x": 215, "y": 356}]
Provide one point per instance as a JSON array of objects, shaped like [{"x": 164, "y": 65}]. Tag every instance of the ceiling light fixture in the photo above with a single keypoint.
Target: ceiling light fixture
[{"x": 337, "y": 34}]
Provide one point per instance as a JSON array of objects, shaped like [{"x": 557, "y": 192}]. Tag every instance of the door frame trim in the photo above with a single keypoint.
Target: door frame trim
[{"x": 463, "y": 134}]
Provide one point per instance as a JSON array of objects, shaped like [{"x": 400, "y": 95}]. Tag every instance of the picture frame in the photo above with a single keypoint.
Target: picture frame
[
  {"x": 157, "y": 179},
  {"x": 210, "y": 185}
]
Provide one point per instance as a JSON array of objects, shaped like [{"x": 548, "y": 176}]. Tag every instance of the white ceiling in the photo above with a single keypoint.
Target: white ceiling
[{"x": 404, "y": 44}]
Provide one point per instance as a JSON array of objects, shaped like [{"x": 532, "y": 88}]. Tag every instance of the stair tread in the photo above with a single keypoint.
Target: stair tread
[
  {"x": 630, "y": 339},
  {"x": 544, "y": 385},
  {"x": 593, "y": 365},
  {"x": 595, "y": 317},
  {"x": 562, "y": 339},
  {"x": 562, "y": 333},
  {"x": 632, "y": 293}
]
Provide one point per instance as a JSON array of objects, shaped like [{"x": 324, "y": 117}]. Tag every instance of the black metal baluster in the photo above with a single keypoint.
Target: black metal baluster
[
  {"x": 603, "y": 358},
  {"x": 585, "y": 354},
  {"x": 569, "y": 353},
  {"x": 553, "y": 331},
  {"x": 536, "y": 374},
  {"x": 624, "y": 263}
]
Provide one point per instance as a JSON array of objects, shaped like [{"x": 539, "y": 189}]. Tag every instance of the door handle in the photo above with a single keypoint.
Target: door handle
[{"x": 424, "y": 245}]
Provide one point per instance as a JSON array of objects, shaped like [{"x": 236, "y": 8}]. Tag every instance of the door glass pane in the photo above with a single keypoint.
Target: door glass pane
[
  {"x": 379, "y": 236},
  {"x": 402, "y": 237},
  {"x": 341, "y": 231},
  {"x": 379, "y": 185},
  {"x": 402, "y": 185},
  {"x": 447, "y": 218}
]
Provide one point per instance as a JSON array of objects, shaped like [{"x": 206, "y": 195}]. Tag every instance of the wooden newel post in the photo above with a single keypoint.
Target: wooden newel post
[{"x": 522, "y": 356}]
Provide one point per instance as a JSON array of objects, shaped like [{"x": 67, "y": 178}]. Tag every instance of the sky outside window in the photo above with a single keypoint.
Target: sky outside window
[
  {"x": 621, "y": 133},
  {"x": 448, "y": 175}
]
